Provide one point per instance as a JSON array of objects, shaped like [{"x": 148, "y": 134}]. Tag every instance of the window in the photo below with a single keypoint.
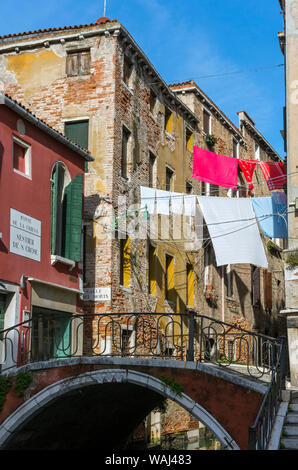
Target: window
[
  {"x": 214, "y": 190},
  {"x": 152, "y": 269},
  {"x": 124, "y": 159},
  {"x": 229, "y": 280},
  {"x": 127, "y": 71},
  {"x": 169, "y": 278},
  {"x": 188, "y": 188},
  {"x": 78, "y": 62},
  {"x": 235, "y": 148},
  {"x": 205, "y": 189},
  {"x": 168, "y": 121},
  {"x": 206, "y": 122},
  {"x": 257, "y": 151},
  {"x": 66, "y": 213},
  {"x": 189, "y": 139},
  {"x": 125, "y": 274},
  {"x": 51, "y": 334},
  {"x": 78, "y": 132},
  {"x": 190, "y": 285},
  {"x": 126, "y": 337},
  {"x": 207, "y": 259},
  {"x": 21, "y": 157},
  {"x": 169, "y": 179},
  {"x": 152, "y": 160},
  {"x": 153, "y": 101}
]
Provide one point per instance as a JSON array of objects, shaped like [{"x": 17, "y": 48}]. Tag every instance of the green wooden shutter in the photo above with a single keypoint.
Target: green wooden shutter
[
  {"x": 73, "y": 223},
  {"x": 62, "y": 340},
  {"x": 54, "y": 207},
  {"x": 78, "y": 132},
  {"x": 2, "y": 313}
]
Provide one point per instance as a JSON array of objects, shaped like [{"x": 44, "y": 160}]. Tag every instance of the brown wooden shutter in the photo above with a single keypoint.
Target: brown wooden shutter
[
  {"x": 267, "y": 279},
  {"x": 255, "y": 285}
]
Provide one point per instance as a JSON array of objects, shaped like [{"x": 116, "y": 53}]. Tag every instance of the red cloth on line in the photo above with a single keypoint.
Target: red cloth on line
[
  {"x": 215, "y": 169},
  {"x": 248, "y": 168},
  {"x": 274, "y": 173}
]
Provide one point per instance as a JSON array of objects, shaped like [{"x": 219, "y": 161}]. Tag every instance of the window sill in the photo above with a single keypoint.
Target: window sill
[
  {"x": 127, "y": 87},
  {"x": 59, "y": 259},
  {"x": 125, "y": 289},
  {"x": 170, "y": 135},
  {"x": 153, "y": 117},
  {"x": 18, "y": 172}
]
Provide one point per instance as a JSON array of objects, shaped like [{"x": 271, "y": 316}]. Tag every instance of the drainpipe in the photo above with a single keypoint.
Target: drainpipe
[{"x": 223, "y": 293}]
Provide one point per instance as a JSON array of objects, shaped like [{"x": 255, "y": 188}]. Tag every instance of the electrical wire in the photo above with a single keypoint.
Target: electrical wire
[{"x": 215, "y": 75}]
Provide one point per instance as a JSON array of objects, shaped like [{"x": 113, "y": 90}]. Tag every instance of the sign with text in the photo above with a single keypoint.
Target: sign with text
[
  {"x": 97, "y": 294},
  {"x": 25, "y": 235}
]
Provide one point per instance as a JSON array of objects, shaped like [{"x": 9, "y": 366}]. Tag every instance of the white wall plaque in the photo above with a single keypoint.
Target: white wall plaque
[
  {"x": 97, "y": 294},
  {"x": 25, "y": 235}
]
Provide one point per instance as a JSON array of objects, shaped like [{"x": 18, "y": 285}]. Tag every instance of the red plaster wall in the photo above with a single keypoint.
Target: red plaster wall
[{"x": 31, "y": 197}]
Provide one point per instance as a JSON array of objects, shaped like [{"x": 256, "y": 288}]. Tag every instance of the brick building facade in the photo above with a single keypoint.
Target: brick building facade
[{"x": 95, "y": 84}]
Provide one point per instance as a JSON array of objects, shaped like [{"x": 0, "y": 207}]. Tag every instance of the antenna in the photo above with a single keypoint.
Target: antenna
[{"x": 105, "y": 7}]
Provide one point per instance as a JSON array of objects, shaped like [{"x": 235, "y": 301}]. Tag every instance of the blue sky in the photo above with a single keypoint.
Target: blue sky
[{"x": 189, "y": 39}]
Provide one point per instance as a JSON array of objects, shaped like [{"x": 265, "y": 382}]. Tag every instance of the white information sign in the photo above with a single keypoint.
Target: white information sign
[
  {"x": 25, "y": 235},
  {"x": 97, "y": 294}
]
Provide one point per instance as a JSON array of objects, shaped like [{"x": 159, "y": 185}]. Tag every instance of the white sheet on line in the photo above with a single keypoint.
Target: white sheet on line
[
  {"x": 148, "y": 199},
  {"x": 233, "y": 230},
  {"x": 162, "y": 202},
  {"x": 190, "y": 205},
  {"x": 177, "y": 203}
]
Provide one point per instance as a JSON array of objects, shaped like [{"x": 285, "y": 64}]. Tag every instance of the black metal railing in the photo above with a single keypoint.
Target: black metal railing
[
  {"x": 183, "y": 337},
  {"x": 260, "y": 432}
]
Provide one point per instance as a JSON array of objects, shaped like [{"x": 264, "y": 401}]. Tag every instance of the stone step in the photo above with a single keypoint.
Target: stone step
[
  {"x": 293, "y": 407},
  {"x": 292, "y": 418},
  {"x": 290, "y": 430},
  {"x": 290, "y": 443}
]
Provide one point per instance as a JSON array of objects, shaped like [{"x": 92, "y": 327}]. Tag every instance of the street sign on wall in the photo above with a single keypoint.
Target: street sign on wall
[
  {"x": 25, "y": 235},
  {"x": 97, "y": 294}
]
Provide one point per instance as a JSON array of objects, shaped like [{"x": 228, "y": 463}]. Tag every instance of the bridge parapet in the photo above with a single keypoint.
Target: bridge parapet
[{"x": 181, "y": 337}]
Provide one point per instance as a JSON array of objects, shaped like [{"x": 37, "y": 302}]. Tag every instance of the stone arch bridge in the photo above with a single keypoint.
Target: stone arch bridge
[{"x": 87, "y": 400}]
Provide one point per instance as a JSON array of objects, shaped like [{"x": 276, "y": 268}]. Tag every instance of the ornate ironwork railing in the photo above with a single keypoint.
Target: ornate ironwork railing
[
  {"x": 260, "y": 432},
  {"x": 183, "y": 337}
]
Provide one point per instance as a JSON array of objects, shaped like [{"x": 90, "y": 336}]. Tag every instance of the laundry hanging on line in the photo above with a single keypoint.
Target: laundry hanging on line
[
  {"x": 233, "y": 230},
  {"x": 248, "y": 168},
  {"x": 214, "y": 168},
  {"x": 157, "y": 201},
  {"x": 271, "y": 213},
  {"x": 274, "y": 173},
  {"x": 222, "y": 171}
]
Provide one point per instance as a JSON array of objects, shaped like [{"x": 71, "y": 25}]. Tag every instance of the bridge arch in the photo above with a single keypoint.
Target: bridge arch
[{"x": 24, "y": 413}]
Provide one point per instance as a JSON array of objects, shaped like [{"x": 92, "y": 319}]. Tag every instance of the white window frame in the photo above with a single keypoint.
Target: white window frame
[
  {"x": 257, "y": 151},
  {"x": 210, "y": 121},
  {"x": 237, "y": 147},
  {"x": 27, "y": 148}
]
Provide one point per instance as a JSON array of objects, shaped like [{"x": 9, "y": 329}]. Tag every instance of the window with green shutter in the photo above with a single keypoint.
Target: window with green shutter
[
  {"x": 66, "y": 213},
  {"x": 51, "y": 334},
  {"x": 2, "y": 313},
  {"x": 78, "y": 132}
]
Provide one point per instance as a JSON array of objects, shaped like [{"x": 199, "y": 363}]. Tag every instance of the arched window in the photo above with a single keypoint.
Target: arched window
[{"x": 66, "y": 213}]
